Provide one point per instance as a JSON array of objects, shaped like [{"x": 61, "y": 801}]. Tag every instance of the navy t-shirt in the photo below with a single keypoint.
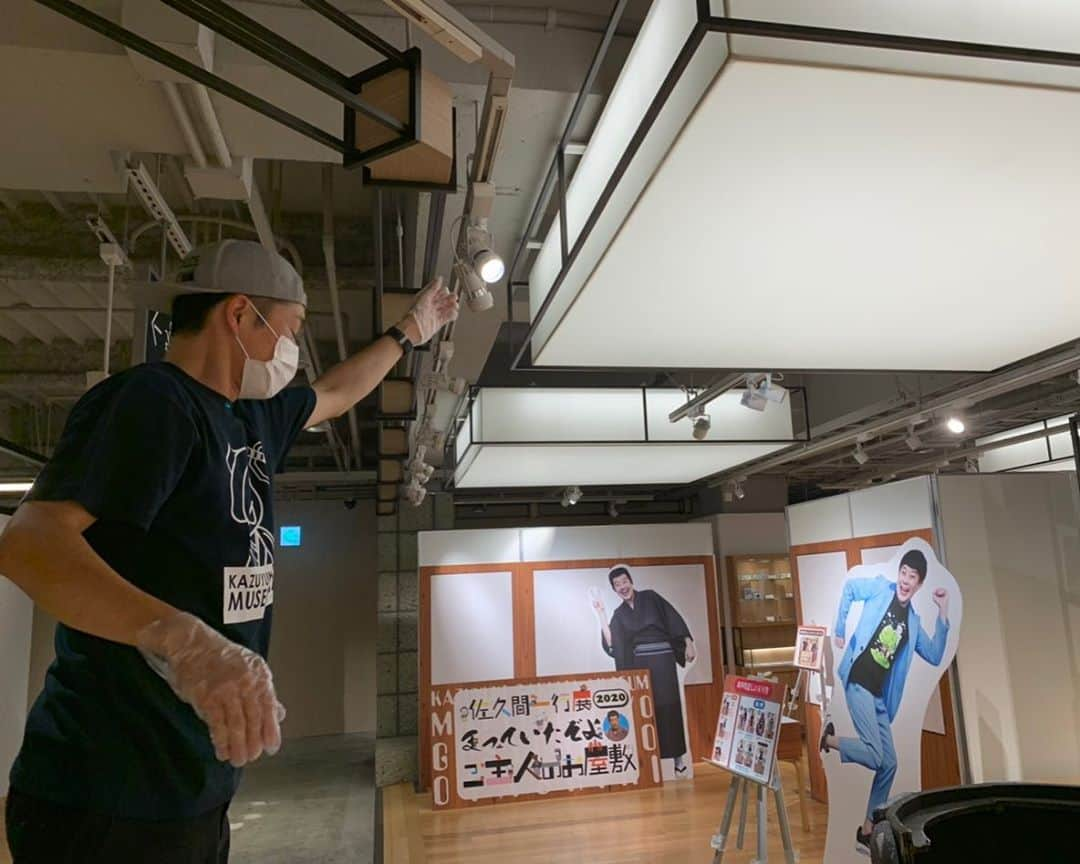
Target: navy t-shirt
[{"x": 179, "y": 480}]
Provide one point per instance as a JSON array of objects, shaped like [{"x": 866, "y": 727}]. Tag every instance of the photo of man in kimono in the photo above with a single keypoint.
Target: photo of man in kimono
[
  {"x": 875, "y": 666},
  {"x": 647, "y": 632}
]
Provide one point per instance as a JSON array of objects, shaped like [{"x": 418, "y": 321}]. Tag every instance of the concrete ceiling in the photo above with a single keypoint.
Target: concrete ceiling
[{"x": 90, "y": 102}]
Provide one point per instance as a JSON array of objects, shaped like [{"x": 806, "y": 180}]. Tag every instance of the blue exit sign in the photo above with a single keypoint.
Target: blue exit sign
[{"x": 290, "y": 535}]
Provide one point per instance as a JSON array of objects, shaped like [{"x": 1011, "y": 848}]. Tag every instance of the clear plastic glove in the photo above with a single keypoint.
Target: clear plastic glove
[
  {"x": 229, "y": 686},
  {"x": 434, "y": 309}
]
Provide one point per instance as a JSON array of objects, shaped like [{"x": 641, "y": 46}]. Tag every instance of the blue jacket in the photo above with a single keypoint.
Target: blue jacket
[{"x": 876, "y": 594}]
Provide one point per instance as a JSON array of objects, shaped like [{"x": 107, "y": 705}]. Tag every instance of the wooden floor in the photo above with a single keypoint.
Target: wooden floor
[
  {"x": 5, "y": 856},
  {"x": 672, "y": 825}
]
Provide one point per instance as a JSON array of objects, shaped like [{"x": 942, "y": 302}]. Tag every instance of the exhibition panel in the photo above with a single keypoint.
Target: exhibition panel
[{"x": 578, "y": 616}]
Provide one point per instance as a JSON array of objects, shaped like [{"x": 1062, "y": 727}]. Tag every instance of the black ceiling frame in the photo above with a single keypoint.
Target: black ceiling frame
[
  {"x": 521, "y": 358},
  {"x": 279, "y": 52}
]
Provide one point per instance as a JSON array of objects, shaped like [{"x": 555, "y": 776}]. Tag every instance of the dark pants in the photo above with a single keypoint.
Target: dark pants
[
  {"x": 668, "y": 701},
  {"x": 41, "y": 832}
]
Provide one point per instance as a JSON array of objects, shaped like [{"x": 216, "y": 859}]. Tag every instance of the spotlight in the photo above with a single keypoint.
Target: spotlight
[
  {"x": 728, "y": 493},
  {"x": 971, "y": 465},
  {"x": 476, "y": 292},
  {"x": 702, "y": 423},
  {"x": 761, "y": 389},
  {"x": 913, "y": 441},
  {"x": 442, "y": 381},
  {"x": 415, "y": 493},
  {"x": 956, "y": 424},
  {"x": 485, "y": 263},
  {"x": 612, "y": 510},
  {"x": 860, "y": 455},
  {"x": 740, "y": 493},
  {"x": 571, "y": 495},
  {"x": 419, "y": 470}
]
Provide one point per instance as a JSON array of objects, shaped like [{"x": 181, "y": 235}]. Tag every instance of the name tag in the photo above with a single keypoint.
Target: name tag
[{"x": 248, "y": 591}]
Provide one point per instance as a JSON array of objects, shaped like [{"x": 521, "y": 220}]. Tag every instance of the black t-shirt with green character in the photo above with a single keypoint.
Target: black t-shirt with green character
[{"x": 872, "y": 667}]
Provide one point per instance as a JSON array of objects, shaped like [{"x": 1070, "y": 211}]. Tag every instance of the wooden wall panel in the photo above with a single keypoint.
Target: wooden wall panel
[{"x": 702, "y": 700}]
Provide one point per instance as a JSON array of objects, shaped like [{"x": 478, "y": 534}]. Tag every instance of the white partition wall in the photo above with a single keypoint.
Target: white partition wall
[
  {"x": 16, "y": 619},
  {"x": 1013, "y": 544}
]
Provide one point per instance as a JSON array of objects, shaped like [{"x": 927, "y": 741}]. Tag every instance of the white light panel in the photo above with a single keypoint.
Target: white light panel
[
  {"x": 662, "y": 36},
  {"x": 603, "y": 464},
  {"x": 820, "y": 218},
  {"x": 731, "y": 420},
  {"x": 537, "y": 436},
  {"x": 1047, "y": 24}
]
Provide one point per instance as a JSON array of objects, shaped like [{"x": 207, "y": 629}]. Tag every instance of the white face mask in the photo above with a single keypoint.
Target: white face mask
[{"x": 264, "y": 379}]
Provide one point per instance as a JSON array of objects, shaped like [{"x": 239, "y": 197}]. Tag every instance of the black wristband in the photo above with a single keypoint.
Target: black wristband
[{"x": 398, "y": 335}]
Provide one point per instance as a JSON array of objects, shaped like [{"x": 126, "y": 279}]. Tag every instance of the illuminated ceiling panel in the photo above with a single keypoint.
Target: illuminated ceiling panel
[
  {"x": 519, "y": 437},
  {"x": 820, "y": 217}
]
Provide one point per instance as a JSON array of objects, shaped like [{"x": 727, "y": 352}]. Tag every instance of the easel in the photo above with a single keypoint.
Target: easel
[
  {"x": 740, "y": 784},
  {"x": 740, "y": 789}
]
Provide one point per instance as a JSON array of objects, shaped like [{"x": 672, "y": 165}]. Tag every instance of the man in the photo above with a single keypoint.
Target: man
[
  {"x": 150, "y": 537},
  {"x": 647, "y": 632},
  {"x": 615, "y": 726},
  {"x": 875, "y": 667}
]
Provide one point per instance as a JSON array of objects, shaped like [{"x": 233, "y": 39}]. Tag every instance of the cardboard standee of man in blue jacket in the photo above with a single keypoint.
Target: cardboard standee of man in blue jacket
[{"x": 875, "y": 667}]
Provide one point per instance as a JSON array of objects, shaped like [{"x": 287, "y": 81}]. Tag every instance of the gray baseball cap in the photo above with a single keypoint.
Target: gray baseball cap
[{"x": 226, "y": 267}]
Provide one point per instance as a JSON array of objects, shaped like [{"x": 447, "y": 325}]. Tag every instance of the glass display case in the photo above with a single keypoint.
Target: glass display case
[{"x": 762, "y": 591}]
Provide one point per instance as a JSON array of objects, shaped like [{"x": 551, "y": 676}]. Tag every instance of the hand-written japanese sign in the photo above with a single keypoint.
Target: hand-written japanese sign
[{"x": 543, "y": 736}]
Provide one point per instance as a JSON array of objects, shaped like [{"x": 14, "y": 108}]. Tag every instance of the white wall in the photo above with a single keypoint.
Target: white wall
[
  {"x": 16, "y": 614},
  {"x": 893, "y": 507},
  {"x": 323, "y": 646},
  {"x": 1013, "y": 544}
]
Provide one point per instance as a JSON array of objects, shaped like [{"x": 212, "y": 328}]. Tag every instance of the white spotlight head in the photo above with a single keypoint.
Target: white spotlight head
[
  {"x": 571, "y": 495},
  {"x": 485, "y": 262},
  {"x": 476, "y": 292},
  {"x": 860, "y": 455},
  {"x": 754, "y": 400},
  {"x": 489, "y": 266},
  {"x": 740, "y": 493},
  {"x": 913, "y": 441},
  {"x": 971, "y": 465},
  {"x": 701, "y": 423},
  {"x": 415, "y": 494},
  {"x": 613, "y": 510},
  {"x": 956, "y": 424}
]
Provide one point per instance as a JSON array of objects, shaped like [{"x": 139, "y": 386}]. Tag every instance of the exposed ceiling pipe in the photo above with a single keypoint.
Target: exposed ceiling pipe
[
  {"x": 978, "y": 390},
  {"x": 335, "y": 300},
  {"x": 55, "y": 202},
  {"x": 213, "y": 127},
  {"x": 485, "y": 13},
  {"x": 283, "y": 244},
  {"x": 183, "y": 120}
]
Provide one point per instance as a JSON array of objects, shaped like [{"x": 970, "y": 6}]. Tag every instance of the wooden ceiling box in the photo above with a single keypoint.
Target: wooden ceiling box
[{"x": 431, "y": 158}]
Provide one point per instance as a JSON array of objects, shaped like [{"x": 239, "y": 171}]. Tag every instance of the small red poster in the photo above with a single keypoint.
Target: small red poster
[{"x": 749, "y": 727}]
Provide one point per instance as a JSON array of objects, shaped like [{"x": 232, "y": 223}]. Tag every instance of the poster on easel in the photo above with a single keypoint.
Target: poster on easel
[
  {"x": 810, "y": 647},
  {"x": 748, "y": 728}
]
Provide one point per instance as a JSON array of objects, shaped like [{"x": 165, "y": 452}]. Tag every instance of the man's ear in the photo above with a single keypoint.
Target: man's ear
[{"x": 234, "y": 310}]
